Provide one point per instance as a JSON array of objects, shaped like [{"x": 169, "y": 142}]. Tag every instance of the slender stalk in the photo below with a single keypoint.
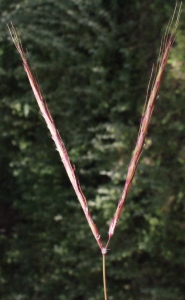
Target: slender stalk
[{"x": 104, "y": 277}]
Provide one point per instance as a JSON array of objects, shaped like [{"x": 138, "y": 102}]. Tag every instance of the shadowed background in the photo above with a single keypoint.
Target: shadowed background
[{"x": 93, "y": 60}]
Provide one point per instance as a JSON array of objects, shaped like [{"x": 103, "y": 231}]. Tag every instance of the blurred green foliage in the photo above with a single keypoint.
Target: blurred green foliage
[{"x": 93, "y": 60}]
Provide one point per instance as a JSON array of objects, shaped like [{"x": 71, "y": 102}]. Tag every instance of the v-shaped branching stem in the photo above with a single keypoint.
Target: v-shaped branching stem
[{"x": 166, "y": 45}]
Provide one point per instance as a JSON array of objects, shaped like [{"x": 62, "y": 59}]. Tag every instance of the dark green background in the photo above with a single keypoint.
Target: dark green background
[{"x": 93, "y": 60}]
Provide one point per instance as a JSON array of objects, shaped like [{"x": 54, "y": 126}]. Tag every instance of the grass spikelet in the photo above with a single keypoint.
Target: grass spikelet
[
  {"x": 55, "y": 135},
  {"x": 152, "y": 94}
]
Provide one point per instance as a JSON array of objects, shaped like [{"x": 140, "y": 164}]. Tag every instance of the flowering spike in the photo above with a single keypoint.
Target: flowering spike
[
  {"x": 55, "y": 136},
  {"x": 167, "y": 42}
]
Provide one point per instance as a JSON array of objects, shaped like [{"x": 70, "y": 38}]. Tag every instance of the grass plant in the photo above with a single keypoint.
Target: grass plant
[{"x": 152, "y": 94}]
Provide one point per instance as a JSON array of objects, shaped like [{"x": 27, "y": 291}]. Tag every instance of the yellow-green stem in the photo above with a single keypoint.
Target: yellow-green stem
[{"x": 104, "y": 278}]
